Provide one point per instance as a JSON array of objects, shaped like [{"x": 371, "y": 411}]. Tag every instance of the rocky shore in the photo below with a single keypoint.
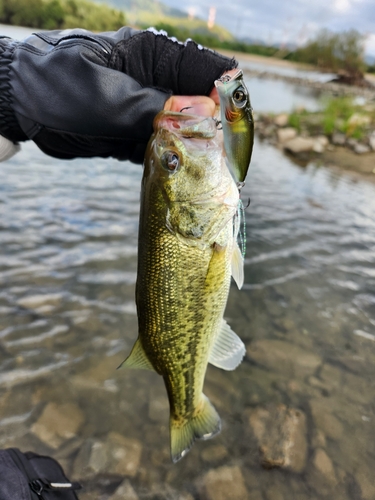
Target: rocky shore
[{"x": 309, "y": 142}]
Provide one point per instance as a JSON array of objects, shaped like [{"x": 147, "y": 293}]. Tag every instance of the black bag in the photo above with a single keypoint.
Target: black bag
[{"x": 28, "y": 476}]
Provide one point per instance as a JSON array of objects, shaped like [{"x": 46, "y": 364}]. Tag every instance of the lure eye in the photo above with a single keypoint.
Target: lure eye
[
  {"x": 239, "y": 97},
  {"x": 170, "y": 161}
]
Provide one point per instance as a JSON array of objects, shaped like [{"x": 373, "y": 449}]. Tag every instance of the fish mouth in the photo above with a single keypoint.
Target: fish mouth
[{"x": 186, "y": 125}]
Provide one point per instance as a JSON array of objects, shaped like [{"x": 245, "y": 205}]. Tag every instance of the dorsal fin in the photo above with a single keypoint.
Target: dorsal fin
[{"x": 228, "y": 349}]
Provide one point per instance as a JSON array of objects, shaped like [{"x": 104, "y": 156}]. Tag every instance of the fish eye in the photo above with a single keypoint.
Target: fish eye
[
  {"x": 239, "y": 97},
  {"x": 170, "y": 161}
]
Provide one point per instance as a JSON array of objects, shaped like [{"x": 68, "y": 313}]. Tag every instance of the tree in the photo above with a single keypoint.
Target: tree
[{"x": 337, "y": 52}]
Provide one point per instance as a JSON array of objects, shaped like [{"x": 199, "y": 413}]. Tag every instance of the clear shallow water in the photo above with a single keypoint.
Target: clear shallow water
[
  {"x": 68, "y": 250},
  {"x": 68, "y": 233}
]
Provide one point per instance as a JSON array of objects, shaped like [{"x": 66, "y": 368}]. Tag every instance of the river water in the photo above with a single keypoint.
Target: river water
[{"x": 68, "y": 234}]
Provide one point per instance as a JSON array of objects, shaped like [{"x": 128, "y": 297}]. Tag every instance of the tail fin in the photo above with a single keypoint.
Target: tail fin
[{"x": 205, "y": 425}]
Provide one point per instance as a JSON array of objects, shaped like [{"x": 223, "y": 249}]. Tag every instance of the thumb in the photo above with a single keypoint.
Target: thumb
[{"x": 195, "y": 105}]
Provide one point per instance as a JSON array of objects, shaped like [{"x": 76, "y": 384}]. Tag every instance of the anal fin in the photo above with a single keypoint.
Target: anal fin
[
  {"x": 228, "y": 349},
  {"x": 137, "y": 358}
]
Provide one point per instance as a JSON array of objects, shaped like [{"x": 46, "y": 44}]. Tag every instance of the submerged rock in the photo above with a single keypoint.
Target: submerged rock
[
  {"x": 281, "y": 435},
  {"x": 118, "y": 455},
  {"x": 124, "y": 492},
  {"x": 284, "y": 357},
  {"x": 322, "y": 476},
  {"x": 214, "y": 453},
  {"x": 223, "y": 483},
  {"x": 324, "y": 420},
  {"x": 58, "y": 423}
]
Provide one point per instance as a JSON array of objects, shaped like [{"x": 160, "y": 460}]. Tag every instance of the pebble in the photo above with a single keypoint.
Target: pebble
[
  {"x": 281, "y": 120},
  {"x": 338, "y": 139},
  {"x": 361, "y": 149},
  {"x": 299, "y": 145},
  {"x": 323, "y": 468},
  {"x": 214, "y": 453},
  {"x": 324, "y": 420},
  {"x": 223, "y": 483},
  {"x": 320, "y": 144},
  {"x": 281, "y": 435},
  {"x": 284, "y": 357},
  {"x": 58, "y": 423},
  {"x": 371, "y": 141},
  {"x": 286, "y": 134},
  {"x": 124, "y": 492},
  {"x": 117, "y": 455}
]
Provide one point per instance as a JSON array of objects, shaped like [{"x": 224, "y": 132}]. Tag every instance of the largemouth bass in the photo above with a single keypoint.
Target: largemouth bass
[
  {"x": 237, "y": 121},
  {"x": 187, "y": 252}
]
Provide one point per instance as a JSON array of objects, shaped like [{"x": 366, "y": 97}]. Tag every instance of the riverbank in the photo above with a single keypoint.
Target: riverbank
[{"x": 307, "y": 141}]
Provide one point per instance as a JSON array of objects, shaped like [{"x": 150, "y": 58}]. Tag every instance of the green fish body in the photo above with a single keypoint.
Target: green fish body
[
  {"x": 237, "y": 122},
  {"x": 186, "y": 254}
]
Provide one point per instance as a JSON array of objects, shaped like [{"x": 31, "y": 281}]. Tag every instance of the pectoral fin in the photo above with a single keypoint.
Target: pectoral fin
[
  {"x": 137, "y": 358},
  {"x": 237, "y": 266},
  {"x": 228, "y": 349}
]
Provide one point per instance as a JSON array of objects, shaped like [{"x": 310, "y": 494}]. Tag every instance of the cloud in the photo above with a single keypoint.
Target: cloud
[{"x": 272, "y": 19}]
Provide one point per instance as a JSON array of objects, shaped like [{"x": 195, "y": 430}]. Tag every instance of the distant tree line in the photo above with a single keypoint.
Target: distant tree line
[
  {"x": 59, "y": 14},
  {"x": 205, "y": 37},
  {"x": 334, "y": 52}
]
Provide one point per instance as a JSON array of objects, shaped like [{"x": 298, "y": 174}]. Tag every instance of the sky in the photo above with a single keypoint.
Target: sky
[{"x": 278, "y": 21}]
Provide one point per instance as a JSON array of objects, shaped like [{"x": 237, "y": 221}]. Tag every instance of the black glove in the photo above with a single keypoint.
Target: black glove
[{"x": 79, "y": 94}]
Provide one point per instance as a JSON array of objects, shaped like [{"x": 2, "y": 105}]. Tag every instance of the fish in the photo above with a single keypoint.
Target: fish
[
  {"x": 237, "y": 121},
  {"x": 187, "y": 252}
]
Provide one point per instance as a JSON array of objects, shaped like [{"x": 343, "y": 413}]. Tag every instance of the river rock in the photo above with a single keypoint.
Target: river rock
[
  {"x": 320, "y": 144},
  {"x": 358, "y": 119},
  {"x": 299, "y": 145},
  {"x": 371, "y": 141},
  {"x": 223, "y": 483},
  {"x": 284, "y": 357},
  {"x": 365, "y": 479},
  {"x": 324, "y": 420},
  {"x": 214, "y": 453},
  {"x": 281, "y": 120},
  {"x": 124, "y": 492},
  {"x": 118, "y": 455},
  {"x": 281, "y": 435},
  {"x": 361, "y": 149},
  {"x": 338, "y": 139},
  {"x": 321, "y": 475},
  {"x": 286, "y": 134},
  {"x": 58, "y": 423}
]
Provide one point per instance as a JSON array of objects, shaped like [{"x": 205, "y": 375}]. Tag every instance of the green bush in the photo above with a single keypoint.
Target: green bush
[{"x": 334, "y": 52}]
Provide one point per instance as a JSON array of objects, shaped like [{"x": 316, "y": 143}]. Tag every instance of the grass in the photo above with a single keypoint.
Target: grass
[{"x": 339, "y": 114}]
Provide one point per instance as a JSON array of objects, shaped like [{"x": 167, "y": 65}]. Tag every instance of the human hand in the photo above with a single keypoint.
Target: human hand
[{"x": 195, "y": 105}]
